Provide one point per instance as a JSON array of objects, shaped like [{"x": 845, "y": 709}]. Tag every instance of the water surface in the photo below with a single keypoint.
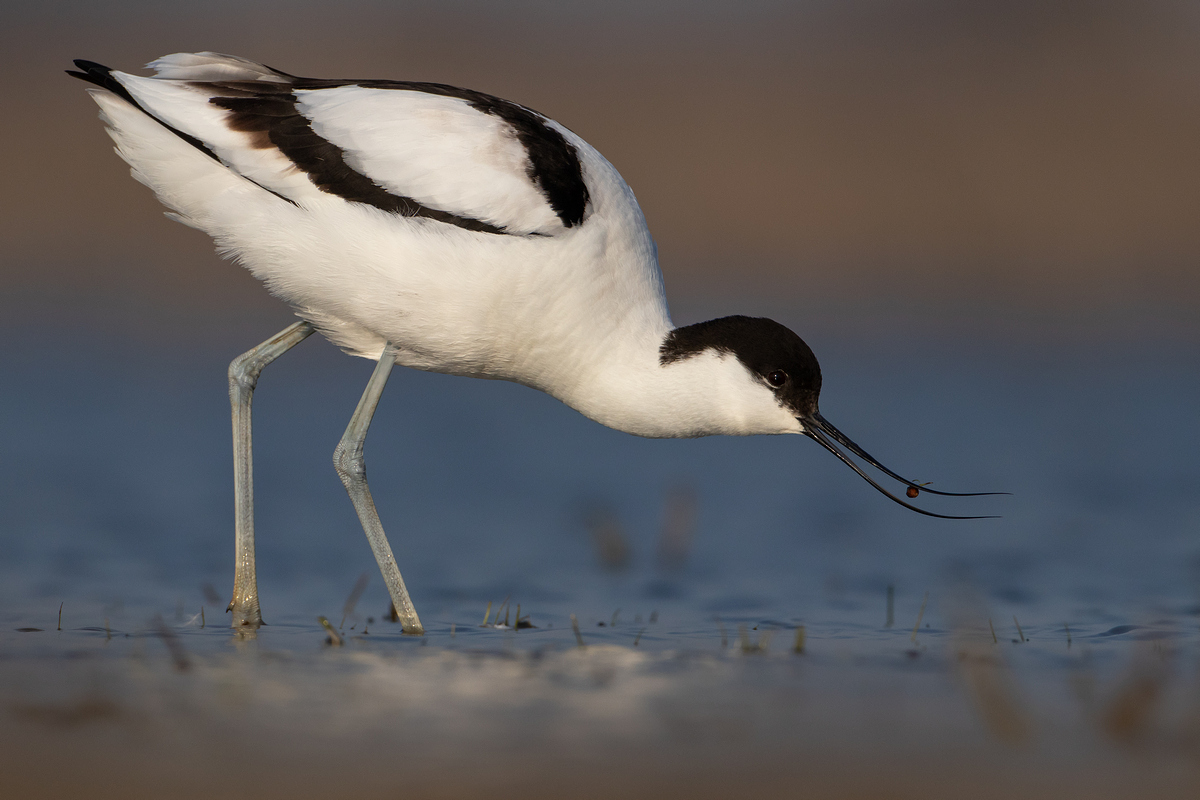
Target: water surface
[{"x": 732, "y": 595}]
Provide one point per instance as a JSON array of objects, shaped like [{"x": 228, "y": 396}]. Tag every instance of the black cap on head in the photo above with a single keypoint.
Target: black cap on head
[
  {"x": 787, "y": 366},
  {"x": 767, "y": 349}
]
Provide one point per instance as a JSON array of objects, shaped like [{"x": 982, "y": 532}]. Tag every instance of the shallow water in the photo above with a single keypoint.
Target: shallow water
[{"x": 1056, "y": 652}]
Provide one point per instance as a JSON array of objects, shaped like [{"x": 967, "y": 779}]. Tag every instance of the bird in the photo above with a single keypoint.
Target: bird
[{"x": 448, "y": 230}]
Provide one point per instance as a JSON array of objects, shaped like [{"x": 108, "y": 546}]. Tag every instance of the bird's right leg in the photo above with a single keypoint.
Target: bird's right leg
[{"x": 243, "y": 376}]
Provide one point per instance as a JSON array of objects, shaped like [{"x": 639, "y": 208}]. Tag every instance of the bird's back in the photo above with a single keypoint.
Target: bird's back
[{"x": 478, "y": 235}]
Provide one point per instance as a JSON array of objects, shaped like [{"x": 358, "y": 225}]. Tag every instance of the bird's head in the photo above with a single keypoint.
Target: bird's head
[{"x": 777, "y": 384}]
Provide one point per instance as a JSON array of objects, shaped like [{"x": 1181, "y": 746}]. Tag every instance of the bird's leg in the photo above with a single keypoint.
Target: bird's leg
[
  {"x": 243, "y": 376},
  {"x": 348, "y": 460}
]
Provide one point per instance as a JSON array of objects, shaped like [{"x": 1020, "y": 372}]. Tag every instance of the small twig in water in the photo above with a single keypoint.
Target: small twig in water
[
  {"x": 578, "y": 635},
  {"x": 334, "y": 638},
  {"x": 496, "y": 623},
  {"x": 993, "y": 630},
  {"x": 764, "y": 639},
  {"x": 1020, "y": 632},
  {"x": 638, "y": 638},
  {"x": 920, "y": 615},
  {"x": 360, "y": 586},
  {"x": 60, "y": 605},
  {"x": 174, "y": 646}
]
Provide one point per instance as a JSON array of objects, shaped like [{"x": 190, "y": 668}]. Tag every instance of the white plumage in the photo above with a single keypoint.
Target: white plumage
[
  {"x": 455, "y": 232},
  {"x": 562, "y": 312}
]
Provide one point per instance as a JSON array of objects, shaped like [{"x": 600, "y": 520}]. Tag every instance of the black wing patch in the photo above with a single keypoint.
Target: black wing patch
[
  {"x": 273, "y": 121},
  {"x": 553, "y": 162}
]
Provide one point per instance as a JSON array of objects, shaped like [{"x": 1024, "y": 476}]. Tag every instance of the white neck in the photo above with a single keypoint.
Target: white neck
[{"x": 629, "y": 389}]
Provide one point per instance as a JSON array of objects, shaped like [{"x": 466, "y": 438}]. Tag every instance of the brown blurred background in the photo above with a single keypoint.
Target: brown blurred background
[{"x": 979, "y": 161}]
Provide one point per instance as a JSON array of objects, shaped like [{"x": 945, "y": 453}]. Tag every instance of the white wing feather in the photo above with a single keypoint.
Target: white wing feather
[
  {"x": 209, "y": 66},
  {"x": 437, "y": 150},
  {"x": 186, "y": 107}
]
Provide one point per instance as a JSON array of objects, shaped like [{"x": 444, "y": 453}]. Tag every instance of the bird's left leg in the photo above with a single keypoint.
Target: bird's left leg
[{"x": 348, "y": 460}]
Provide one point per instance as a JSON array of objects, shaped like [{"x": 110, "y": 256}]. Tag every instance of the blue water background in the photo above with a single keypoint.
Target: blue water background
[{"x": 117, "y": 483}]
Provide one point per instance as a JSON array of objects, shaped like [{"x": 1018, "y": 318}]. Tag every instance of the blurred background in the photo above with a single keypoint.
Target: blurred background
[
  {"x": 982, "y": 216},
  {"x": 987, "y": 163}
]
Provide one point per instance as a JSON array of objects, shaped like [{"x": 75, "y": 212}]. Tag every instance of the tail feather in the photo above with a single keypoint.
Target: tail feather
[{"x": 215, "y": 67}]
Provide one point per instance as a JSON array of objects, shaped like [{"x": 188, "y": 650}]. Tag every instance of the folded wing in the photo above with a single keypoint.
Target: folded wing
[{"x": 428, "y": 151}]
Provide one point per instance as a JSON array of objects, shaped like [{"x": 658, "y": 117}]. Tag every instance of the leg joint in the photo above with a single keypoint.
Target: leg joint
[
  {"x": 244, "y": 371},
  {"x": 349, "y": 463}
]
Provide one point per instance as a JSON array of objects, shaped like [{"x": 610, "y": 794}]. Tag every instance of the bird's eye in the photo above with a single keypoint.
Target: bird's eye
[{"x": 777, "y": 378}]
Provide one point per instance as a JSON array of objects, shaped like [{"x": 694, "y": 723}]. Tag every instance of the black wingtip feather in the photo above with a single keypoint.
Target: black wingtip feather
[
  {"x": 92, "y": 72},
  {"x": 101, "y": 76},
  {"x": 90, "y": 66}
]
